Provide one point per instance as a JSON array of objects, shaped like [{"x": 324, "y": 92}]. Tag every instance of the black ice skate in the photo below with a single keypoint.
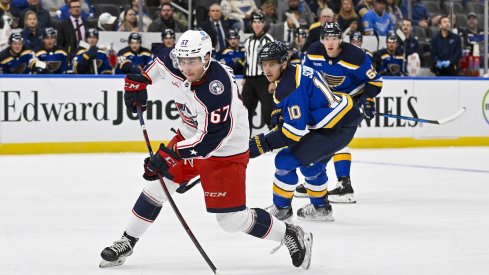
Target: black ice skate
[
  {"x": 343, "y": 193},
  {"x": 311, "y": 212},
  {"x": 300, "y": 191},
  {"x": 283, "y": 214},
  {"x": 117, "y": 253},
  {"x": 299, "y": 244}
]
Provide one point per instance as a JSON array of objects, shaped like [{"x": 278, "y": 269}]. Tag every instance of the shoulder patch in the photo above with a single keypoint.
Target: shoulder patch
[{"x": 216, "y": 87}]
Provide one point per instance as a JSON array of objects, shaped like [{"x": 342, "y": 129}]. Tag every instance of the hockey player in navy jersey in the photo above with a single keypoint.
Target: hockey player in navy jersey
[
  {"x": 92, "y": 60},
  {"x": 212, "y": 141},
  {"x": 234, "y": 55},
  {"x": 313, "y": 122},
  {"x": 390, "y": 60},
  {"x": 346, "y": 69},
  {"x": 356, "y": 38},
  {"x": 56, "y": 58},
  {"x": 167, "y": 44},
  {"x": 17, "y": 59},
  {"x": 134, "y": 57}
]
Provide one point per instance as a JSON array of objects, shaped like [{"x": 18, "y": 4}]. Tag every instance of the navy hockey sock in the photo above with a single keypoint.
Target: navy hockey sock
[{"x": 146, "y": 208}]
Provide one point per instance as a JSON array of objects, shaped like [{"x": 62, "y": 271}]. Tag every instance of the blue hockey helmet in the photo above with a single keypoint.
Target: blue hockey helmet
[
  {"x": 331, "y": 29},
  {"x": 49, "y": 32},
  {"x": 233, "y": 34},
  {"x": 356, "y": 36},
  {"x": 15, "y": 37},
  {"x": 300, "y": 32},
  {"x": 391, "y": 37},
  {"x": 134, "y": 36},
  {"x": 91, "y": 32},
  {"x": 167, "y": 33},
  {"x": 275, "y": 50}
]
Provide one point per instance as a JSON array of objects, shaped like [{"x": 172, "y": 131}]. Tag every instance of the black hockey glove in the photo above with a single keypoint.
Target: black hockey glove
[
  {"x": 161, "y": 162},
  {"x": 92, "y": 52},
  {"x": 135, "y": 92},
  {"x": 368, "y": 105},
  {"x": 258, "y": 146},
  {"x": 277, "y": 118}
]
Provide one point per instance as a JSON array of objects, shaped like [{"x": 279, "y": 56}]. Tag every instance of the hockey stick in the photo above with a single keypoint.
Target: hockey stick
[
  {"x": 187, "y": 186},
  {"x": 170, "y": 199},
  {"x": 453, "y": 117}
]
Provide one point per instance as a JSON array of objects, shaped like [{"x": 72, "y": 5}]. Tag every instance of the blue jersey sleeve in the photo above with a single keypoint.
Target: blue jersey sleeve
[
  {"x": 373, "y": 80},
  {"x": 368, "y": 23}
]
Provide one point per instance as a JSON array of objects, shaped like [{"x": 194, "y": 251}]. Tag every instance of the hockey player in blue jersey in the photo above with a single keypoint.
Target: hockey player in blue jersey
[
  {"x": 356, "y": 38},
  {"x": 390, "y": 60},
  {"x": 134, "y": 57},
  {"x": 168, "y": 43},
  {"x": 17, "y": 59},
  {"x": 313, "y": 121},
  {"x": 56, "y": 58},
  {"x": 346, "y": 69},
  {"x": 234, "y": 55},
  {"x": 92, "y": 60}
]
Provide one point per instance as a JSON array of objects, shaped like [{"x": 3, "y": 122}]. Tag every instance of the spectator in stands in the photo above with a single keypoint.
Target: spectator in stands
[
  {"x": 106, "y": 22},
  {"x": 234, "y": 55},
  {"x": 85, "y": 10},
  {"x": 317, "y": 5},
  {"x": 72, "y": 30},
  {"x": 420, "y": 15},
  {"x": 473, "y": 34},
  {"x": 285, "y": 31},
  {"x": 166, "y": 21},
  {"x": 147, "y": 17},
  {"x": 300, "y": 37},
  {"x": 216, "y": 27},
  {"x": 390, "y": 60},
  {"x": 160, "y": 50},
  {"x": 53, "y": 6},
  {"x": 177, "y": 15},
  {"x": 56, "y": 59},
  {"x": 395, "y": 13},
  {"x": 269, "y": 9},
  {"x": 11, "y": 12},
  {"x": 129, "y": 22},
  {"x": 20, "y": 4},
  {"x": 92, "y": 60},
  {"x": 347, "y": 17},
  {"x": 446, "y": 50},
  {"x": 377, "y": 20},
  {"x": 364, "y": 6},
  {"x": 202, "y": 9},
  {"x": 326, "y": 16},
  {"x": 410, "y": 44},
  {"x": 43, "y": 16},
  {"x": 31, "y": 33},
  {"x": 17, "y": 59},
  {"x": 307, "y": 17},
  {"x": 240, "y": 10},
  {"x": 134, "y": 57}
]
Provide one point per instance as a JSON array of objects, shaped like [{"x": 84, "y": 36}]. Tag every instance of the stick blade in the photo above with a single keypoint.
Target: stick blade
[{"x": 453, "y": 117}]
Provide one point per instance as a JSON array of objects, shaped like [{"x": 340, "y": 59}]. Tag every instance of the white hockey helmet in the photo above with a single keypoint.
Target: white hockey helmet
[{"x": 193, "y": 44}]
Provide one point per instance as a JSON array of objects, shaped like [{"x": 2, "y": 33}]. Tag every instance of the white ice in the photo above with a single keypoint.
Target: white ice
[{"x": 419, "y": 211}]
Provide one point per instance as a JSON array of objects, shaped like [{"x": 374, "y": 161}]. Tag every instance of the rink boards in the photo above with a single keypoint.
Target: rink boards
[{"x": 87, "y": 114}]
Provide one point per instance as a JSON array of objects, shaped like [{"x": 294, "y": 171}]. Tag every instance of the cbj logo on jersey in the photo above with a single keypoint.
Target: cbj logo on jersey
[
  {"x": 186, "y": 115},
  {"x": 216, "y": 87}
]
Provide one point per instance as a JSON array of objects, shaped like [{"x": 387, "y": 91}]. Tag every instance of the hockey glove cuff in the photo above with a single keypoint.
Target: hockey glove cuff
[
  {"x": 135, "y": 92},
  {"x": 161, "y": 162},
  {"x": 277, "y": 118},
  {"x": 368, "y": 106},
  {"x": 258, "y": 146}
]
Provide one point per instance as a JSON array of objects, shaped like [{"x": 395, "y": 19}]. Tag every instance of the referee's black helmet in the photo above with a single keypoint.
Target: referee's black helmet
[{"x": 275, "y": 50}]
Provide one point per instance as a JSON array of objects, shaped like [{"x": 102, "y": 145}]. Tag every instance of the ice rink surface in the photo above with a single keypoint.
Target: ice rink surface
[{"x": 419, "y": 211}]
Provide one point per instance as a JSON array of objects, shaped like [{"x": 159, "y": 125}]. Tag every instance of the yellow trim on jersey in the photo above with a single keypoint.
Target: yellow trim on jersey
[
  {"x": 25, "y": 52},
  {"x": 61, "y": 52},
  {"x": 342, "y": 156},
  {"x": 376, "y": 83},
  {"x": 290, "y": 135},
  {"x": 298, "y": 73},
  {"x": 341, "y": 114},
  {"x": 316, "y": 57},
  {"x": 399, "y": 56},
  {"x": 283, "y": 193},
  {"x": 316, "y": 194},
  {"x": 85, "y": 55},
  {"x": 40, "y": 52},
  {"x": 315, "y": 25},
  {"x": 384, "y": 56},
  {"x": 348, "y": 65},
  {"x": 145, "y": 53},
  {"x": 6, "y": 60},
  {"x": 124, "y": 62},
  {"x": 226, "y": 50},
  {"x": 128, "y": 53}
]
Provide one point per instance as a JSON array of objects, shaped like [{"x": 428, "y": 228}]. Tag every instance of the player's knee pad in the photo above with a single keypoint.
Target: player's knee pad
[
  {"x": 345, "y": 150},
  {"x": 154, "y": 190},
  {"x": 286, "y": 161},
  {"x": 315, "y": 171},
  {"x": 234, "y": 221}
]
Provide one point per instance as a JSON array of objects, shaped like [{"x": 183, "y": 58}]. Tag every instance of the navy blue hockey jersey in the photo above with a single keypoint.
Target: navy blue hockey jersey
[
  {"x": 132, "y": 62},
  {"x": 83, "y": 65},
  {"x": 16, "y": 64},
  {"x": 56, "y": 59},
  {"x": 234, "y": 58},
  {"x": 390, "y": 64},
  {"x": 350, "y": 72}
]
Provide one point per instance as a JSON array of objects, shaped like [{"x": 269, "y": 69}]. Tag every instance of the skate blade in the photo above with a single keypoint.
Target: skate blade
[
  {"x": 104, "y": 263},
  {"x": 347, "y": 198},
  {"x": 321, "y": 219},
  {"x": 300, "y": 195},
  {"x": 308, "y": 243}
]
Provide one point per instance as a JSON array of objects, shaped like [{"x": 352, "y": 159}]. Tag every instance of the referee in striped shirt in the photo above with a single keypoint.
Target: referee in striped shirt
[{"x": 256, "y": 86}]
